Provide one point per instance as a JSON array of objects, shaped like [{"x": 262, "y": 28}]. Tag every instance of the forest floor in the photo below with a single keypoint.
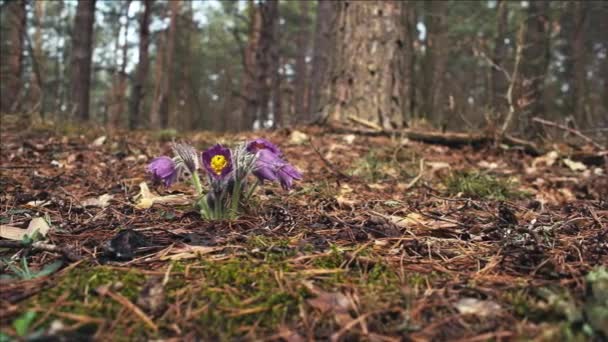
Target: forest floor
[{"x": 384, "y": 239}]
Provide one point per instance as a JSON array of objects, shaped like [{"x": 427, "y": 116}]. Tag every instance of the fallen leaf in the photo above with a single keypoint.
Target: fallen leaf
[
  {"x": 190, "y": 252},
  {"x": 474, "y": 306},
  {"x": 574, "y": 165},
  {"x": 298, "y": 138},
  {"x": 349, "y": 138},
  {"x": 145, "y": 199},
  {"x": 416, "y": 220},
  {"x": 37, "y": 224},
  {"x": 101, "y": 201},
  {"x": 547, "y": 159},
  {"x": 99, "y": 141}
]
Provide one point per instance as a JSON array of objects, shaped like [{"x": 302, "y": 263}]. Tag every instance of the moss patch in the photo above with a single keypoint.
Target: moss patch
[{"x": 481, "y": 186}]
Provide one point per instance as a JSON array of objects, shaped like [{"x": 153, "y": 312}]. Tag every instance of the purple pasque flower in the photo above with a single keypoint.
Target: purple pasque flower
[
  {"x": 217, "y": 160},
  {"x": 265, "y": 166},
  {"x": 163, "y": 169},
  {"x": 262, "y": 144},
  {"x": 187, "y": 155},
  {"x": 269, "y": 166}
]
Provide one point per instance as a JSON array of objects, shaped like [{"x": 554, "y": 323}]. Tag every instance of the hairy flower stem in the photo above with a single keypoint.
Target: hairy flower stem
[
  {"x": 252, "y": 189},
  {"x": 236, "y": 194},
  {"x": 197, "y": 184}
]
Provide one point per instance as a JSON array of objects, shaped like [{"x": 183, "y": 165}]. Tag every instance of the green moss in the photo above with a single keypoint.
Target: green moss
[
  {"x": 483, "y": 186},
  {"x": 78, "y": 287},
  {"x": 166, "y": 135},
  {"x": 239, "y": 292},
  {"x": 370, "y": 167}
]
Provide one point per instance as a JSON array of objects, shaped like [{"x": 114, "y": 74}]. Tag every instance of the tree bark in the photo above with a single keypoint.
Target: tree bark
[
  {"x": 38, "y": 60},
  {"x": 160, "y": 109},
  {"x": 269, "y": 11},
  {"x": 435, "y": 61},
  {"x": 82, "y": 52},
  {"x": 367, "y": 70},
  {"x": 12, "y": 55},
  {"x": 320, "y": 61},
  {"x": 116, "y": 105},
  {"x": 301, "y": 77},
  {"x": 249, "y": 92},
  {"x": 137, "y": 94},
  {"x": 498, "y": 85},
  {"x": 409, "y": 101},
  {"x": 579, "y": 62},
  {"x": 535, "y": 59}
]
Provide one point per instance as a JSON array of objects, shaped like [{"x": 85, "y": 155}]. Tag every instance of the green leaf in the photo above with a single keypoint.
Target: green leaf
[{"x": 23, "y": 322}]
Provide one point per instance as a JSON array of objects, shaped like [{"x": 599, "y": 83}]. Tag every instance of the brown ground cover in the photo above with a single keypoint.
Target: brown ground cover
[{"x": 383, "y": 240}]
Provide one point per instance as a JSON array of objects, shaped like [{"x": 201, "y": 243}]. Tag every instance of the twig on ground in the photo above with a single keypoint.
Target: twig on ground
[
  {"x": 568, "y": 129},
  {"x": 328, "y": 164},
  {"x": 417, "y": 178},
  {"x": 105, "y": 291}
]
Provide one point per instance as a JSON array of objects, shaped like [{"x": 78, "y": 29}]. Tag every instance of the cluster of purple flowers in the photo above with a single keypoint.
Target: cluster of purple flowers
[{"x": 226, "y": 170}]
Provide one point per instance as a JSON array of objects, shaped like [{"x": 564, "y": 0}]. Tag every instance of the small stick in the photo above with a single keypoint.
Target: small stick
[
  {"x": 104, "y": 291},
  {"x": 328, "y": 164},
  {"x": 571, "y": 130},
  {"x": 365, "y": 123},
  {"x": 413, "y": 182}
]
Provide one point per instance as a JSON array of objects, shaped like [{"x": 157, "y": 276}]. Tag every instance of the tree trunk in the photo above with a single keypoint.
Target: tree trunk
[
  {"x": 535, "y": 58},
  {"x": 141, "y": 72},
  {"x": 498, "y": 86},
  {"x": 250, "y": 103},
  {"x": 301, "y": 77},
  {"x": 435, "y": 61},
  {"x": 320, "y": 61},
  {"x": 116, "y": 105},
  {"x": 409, "y": 101},
  {"x": 160, "y": 109},
  {"x": 38, "y": 60},
  {"x": 82, "y": 51},
  {"x": 579, "y": 62},
  {"x": 12, "y": 55},
  {"x": 269, "y": 11},
  {"x": 367, "y": 70}
]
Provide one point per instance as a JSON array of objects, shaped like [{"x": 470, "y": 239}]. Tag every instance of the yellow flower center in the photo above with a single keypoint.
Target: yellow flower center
[{"x": 218, "y": 163}]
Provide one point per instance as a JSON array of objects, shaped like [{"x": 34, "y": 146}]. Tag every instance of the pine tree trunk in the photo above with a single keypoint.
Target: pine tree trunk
[
  {"x": 269, "y": 11},
  {"x": 320, "y": 61},
  {"x": 498, "y": 86},
  {"x": 579, "y": 60},
  {"x": 38, "y": 60},
  {"x": 250, "y": 91},
  {"x": 116, "y": 106},
  {"x": 137, "y": 95},
  {"x": 409, "y": 100},
  {"x": 301, "y": 70},
  {"x": 367, "y": 70},
  {"x": 160, "y": 109},
  {"x": 435, "y": 61},
  {"x": 535, "y": 59},
  {"x": 82, "y": 51},
  {"x": 12, "y": 55}
]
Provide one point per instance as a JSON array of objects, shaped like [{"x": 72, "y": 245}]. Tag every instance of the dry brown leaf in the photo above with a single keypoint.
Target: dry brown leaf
[
  {"x": 190, "y": 252},
  {"x": 298, "y": 138},
  {"x": 38, "y": 224},
  {"x": 145, "y": 199},
  {"x": 474, "y": 306},
  {"x": 101, "y": 201}
]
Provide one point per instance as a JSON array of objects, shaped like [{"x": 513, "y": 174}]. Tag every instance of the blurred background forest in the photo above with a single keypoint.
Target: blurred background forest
[{"x": 238, "y": 65}]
